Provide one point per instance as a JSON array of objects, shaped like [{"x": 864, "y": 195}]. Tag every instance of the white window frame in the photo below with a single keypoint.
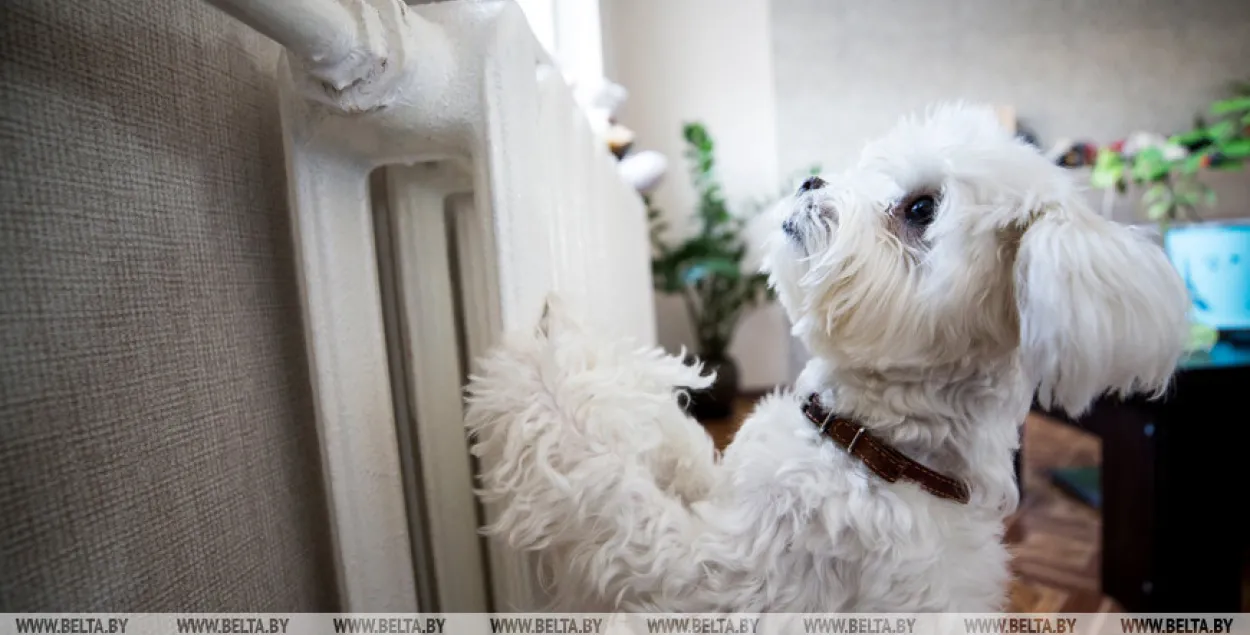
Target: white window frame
[{"x": 572, "y": 33}]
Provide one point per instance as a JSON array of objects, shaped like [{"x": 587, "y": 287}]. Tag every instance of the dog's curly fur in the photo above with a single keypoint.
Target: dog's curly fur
[{"x": 934, "y": 332}]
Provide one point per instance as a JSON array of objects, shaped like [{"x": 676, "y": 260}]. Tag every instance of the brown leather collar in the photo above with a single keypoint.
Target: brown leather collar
[{"x": 883, "y": 460}]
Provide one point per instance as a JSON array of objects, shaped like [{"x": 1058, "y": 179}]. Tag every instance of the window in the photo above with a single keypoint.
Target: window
[{"x": 571, "y": 33}]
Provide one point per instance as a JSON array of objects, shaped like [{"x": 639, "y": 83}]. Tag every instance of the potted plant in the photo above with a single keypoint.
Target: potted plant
[
  {"x": 1169, "y": 171},
  {"x": 707, "y": 271},
  {"x": 1169, "y": 168}
]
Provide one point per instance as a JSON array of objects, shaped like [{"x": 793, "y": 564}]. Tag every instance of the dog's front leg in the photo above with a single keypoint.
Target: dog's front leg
[{"x": 583, "y": 445}]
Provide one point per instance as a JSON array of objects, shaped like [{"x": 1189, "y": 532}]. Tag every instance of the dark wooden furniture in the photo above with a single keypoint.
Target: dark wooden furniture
[{"x": 1174, "y": 481}]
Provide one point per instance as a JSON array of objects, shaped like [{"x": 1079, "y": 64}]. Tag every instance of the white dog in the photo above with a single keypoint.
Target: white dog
[{"x": 940, "y": 285}]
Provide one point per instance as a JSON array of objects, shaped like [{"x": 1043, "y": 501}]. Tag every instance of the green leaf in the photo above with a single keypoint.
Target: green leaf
[
  {"x": 1157, "y": 192},
  {"x": 1106, "y": 177},
  {"x": 695, "y": 133},
  {"x": 1158, "y": 211},
  {"x": 1108, "y": 158},
  {"x": 1108, "y": 169},
  {"x": 1150, "y": 166},
  {"x": 1236, "y": 149},
  {"x": 1192, "y": 163},
  {"x": 1149, "y": 155},
  {"x": 1193, "y": 137},
  {"x": 1222, "y": 130},
  {"x": 1229, "y": 106}
]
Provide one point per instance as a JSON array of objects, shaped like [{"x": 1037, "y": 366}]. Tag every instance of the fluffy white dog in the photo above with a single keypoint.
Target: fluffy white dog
[{"x": 940, "y": 285}]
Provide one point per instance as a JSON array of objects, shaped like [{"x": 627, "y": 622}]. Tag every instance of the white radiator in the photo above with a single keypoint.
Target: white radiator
[{"x": 493, "y": 192}]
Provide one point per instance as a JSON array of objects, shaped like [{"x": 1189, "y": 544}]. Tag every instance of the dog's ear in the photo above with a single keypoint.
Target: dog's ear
[{"x": 1102, "y": 310}]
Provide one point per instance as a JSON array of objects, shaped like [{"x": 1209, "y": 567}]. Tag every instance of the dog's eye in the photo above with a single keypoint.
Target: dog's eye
[{"x": 920, "y": 211}]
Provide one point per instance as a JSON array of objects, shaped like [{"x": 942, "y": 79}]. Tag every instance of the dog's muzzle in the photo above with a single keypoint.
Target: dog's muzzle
[{"x": 793, "y": 225}]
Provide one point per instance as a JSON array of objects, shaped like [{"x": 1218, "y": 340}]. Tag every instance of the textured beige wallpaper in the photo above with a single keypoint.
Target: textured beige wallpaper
[
  {"x": 157, "y": 447},
  {"x": 846, "y": 69}
]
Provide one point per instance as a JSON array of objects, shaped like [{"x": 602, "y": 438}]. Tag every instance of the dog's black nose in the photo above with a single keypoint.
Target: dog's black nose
[{"x": 811, "y": 183}]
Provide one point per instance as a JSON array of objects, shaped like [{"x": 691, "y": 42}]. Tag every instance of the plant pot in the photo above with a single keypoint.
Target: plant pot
[{"x": 716, "y": 401}]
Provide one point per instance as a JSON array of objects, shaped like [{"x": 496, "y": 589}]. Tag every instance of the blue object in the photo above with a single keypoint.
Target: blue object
[{"x": 1214, "y": 260}]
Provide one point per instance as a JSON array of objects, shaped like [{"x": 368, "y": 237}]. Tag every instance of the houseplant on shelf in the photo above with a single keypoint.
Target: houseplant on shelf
[
  {"x": 1169, "y": 168},
  {"x": 707, "y": 271},
  {"x": 1170, "y": 171}
]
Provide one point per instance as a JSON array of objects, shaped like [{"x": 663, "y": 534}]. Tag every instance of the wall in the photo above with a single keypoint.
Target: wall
[
  {"x": 705, "y": 60},
  {"x": 846, "y": 70},
  {"x": 157, "y": 445}
]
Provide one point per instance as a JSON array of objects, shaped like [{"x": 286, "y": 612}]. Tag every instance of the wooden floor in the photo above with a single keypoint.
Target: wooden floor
[{"x": 1054, "y": 538}]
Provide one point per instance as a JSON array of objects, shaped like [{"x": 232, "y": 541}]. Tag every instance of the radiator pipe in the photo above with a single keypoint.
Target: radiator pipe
[{"x": 331, "y": 40}]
